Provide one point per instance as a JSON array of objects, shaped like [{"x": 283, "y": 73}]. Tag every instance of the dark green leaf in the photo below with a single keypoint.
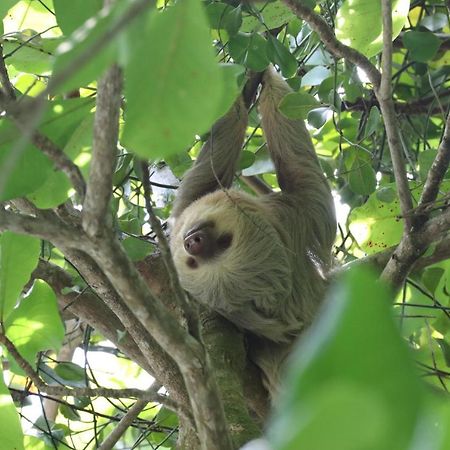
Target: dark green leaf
[
  {"x": 280, "y": 55},
  {"x": 431, "y": 278},
  {"x": 68, "y": 371},
  {"x": 69, "y": 413},
  {"x": 422, "y": 45},
  {"x": 373, "y": 121},
  {"x": 362, "y": 177},
  {"x": 5, "y": 5},
  {"x": 249, "y": 50}
]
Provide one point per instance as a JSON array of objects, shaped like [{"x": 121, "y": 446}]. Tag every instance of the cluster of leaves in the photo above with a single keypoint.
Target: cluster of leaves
[{"x": 356, "y": 385}]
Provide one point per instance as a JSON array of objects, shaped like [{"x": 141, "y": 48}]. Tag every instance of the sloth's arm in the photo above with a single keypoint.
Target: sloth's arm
[{"x": 216, "y": 163}]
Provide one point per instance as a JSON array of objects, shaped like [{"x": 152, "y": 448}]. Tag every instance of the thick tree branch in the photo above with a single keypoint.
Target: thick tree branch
[
  {"x": 43, "y": 227},
  {"x": 104, "y": 149},
  {"x": 186, "y": 351}
]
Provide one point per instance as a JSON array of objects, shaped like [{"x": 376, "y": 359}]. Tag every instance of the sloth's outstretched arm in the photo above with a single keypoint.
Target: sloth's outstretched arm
[
  {"x": 216, "y": 163},
  {"x": 298, "y": 170}
]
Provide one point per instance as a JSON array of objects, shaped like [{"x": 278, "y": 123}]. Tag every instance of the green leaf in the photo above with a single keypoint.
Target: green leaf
[
  {"x": 57, "y": 188},
  {"x": 82, "y": 42},
  {"x": 317, "y": 117},
  {"x": 5, "y": 5},
  {"x": 10, "y": 429},
  {"x": 137, "y": 249},
  {"x": 280, "y": 55},
  {"x": 35, "y": 325},
  {"x": 373, "y": 121},
  {"x": 24, "y": 172},
  {"x": 376, "y": 225},
  {"x": 431, "y": 277},
  {"x": 183, "y": 83},
  {"x": 272, "y": 15},
  {"x": 69, "y": 413},
  {"x": 68, "y": 371},
  {"x": 426, "y": 159},
  {"x": 359, "y": 24},
  {"x": 21, "y": 172},
  {"x": 297, "y": 105},
  {"x": 435, "y": 22},
  {"x": 339, "y": 394},
  {"x": 362, "y": 178},
  {"x": 19, "y": 256},
  {"x": 224, "y": 16},
  {"x": 249, "y": 50},
  {"x": 422, "y": 45},
  {"x": 315, "y": 76},
  {"x": 36, "y": 56},
  {"x": 70, "y": 15}
]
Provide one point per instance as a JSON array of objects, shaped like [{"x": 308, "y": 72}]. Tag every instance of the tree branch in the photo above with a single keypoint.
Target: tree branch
[
  {"x": 186, "y": 351},
  {"x": 384, "y": 96},
  {"x": 104, "y": 149},
  {"x": 438, "y": 168}
]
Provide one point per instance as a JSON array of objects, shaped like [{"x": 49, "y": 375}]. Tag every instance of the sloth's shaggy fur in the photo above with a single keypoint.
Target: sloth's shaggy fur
[{"x": 270, "y": 277}]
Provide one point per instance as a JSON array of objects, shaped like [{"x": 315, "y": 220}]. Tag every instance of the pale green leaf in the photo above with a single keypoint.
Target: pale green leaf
[
  {"x": 359, "y": 24},
  {"x": 297, "y": 105},
  {"x": 19, "y": 256},
  {"x": 10, "y": 429},
  {"x": 35, "y": 325}
]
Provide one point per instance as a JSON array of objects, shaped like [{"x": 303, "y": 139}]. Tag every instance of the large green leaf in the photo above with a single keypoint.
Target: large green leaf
[
  {"x": 422, "y": 45},
  {"x": 35, "y": 325},
  {"x": 10, "y": 429},
  {"x": 352, "y": 383},
  {"x": 18, "y": 257},
  {"x": 173, "y": 84},
  {"x": 70, "y": 15},
  {"x": 376, "y": 225},
  {"x": 359, "y": 24},
  {"x": 272, "y": 15},
  {"x": 82, "y": 42}
]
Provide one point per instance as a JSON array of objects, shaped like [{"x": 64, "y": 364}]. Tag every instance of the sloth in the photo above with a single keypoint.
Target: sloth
[{"x": 261, "y": 261}]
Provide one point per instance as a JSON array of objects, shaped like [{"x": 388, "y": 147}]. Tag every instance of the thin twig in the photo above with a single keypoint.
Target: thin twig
[
  {"x": 384, "y": 96},
  {"x": 180, "y": 294},
  {"x": 62, "y": 391},
  {"x": 4, "y": 78}
]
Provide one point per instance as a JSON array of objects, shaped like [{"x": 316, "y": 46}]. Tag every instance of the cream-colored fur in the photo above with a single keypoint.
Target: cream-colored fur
[{"x": 271, "y": 278}]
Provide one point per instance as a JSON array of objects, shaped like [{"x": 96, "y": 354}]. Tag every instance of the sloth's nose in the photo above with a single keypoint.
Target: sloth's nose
[{"x": 200, "y": 243}]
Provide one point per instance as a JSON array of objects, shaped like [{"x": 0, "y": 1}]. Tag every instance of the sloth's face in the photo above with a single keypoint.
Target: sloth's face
[
  {"x": 229, "y": 253},
  {"x": 210, "y": 229}
]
